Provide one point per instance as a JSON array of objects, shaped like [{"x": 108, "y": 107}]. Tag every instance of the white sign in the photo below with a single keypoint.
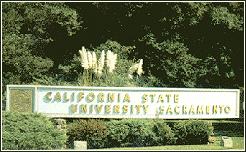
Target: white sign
[{"x": 122, "y": 102}]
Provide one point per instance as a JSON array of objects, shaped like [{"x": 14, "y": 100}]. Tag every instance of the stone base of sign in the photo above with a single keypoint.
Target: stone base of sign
[
  {"x": 226, "y": 142},
  {"x": 211, "y": 139},
  {"x": 61, "y": 127},
  {"x": 61, "y": 123},
  {"x": 80, "y": 145}
]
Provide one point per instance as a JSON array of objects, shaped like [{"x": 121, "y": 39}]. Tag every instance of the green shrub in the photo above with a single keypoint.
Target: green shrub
[
  {"x": 93, "y": 131},
  {"x": 193, "y": 131},
  {"x": 30, "y": 131},
  {"x": 164, "y": 134},
  {"x": 117, "y": 132},
  {"x": 141, "y": 132}
]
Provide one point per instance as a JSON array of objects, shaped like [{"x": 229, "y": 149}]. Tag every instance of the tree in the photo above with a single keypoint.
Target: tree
[
  {"x": 207, "y": 31},
  {"x": 174, "y": 64},
  {"x": 188, "y": 44},
  {"x": 26, "y": 29}
]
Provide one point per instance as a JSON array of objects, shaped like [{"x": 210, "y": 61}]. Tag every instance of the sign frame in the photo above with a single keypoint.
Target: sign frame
[{"x": 35, "y": 102}]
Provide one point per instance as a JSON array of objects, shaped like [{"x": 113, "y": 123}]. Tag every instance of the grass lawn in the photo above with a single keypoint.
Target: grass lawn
[
  {"x": 234, "y": 133},
  {"x": 213, "y": 121},
  {"x": 238, "y": 144},
  {"x": 173, "y": 147}
]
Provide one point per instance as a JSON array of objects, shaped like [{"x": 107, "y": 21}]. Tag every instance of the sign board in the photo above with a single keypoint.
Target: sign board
[{"x": 124, "y": 102}]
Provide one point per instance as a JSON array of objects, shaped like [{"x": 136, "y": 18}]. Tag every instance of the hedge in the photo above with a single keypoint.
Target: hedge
[
  {"x": 30, "y": 131},
  {"x": 91, "y": 130},
  {"x": 192, "y": 131},
  {"x": 164, "y": 133},
  {"x": 138, "y": 132}
]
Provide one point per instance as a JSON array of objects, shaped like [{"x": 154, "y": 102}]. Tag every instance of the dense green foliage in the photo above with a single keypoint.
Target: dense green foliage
[
  {"x": 164, "y": 133},
  {"x": 22, "y": 131},
  {"x": 117, "y": 132},
  {"x": 190, "y": 44},
  {"x": 190, "y": 132},
  {"x": 26, "y": 29},
  {"x": 91, "y": 130},
  {"x": 138, "y": 132},
  {"x": 30, "y": 131}
]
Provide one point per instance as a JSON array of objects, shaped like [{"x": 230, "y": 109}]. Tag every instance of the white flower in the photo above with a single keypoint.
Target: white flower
[
  {"x": 112, "y": 62},
  {"x": 101, "y": 63},
  {"x": 132, "y": 69},
  {"x": 136, "y": 67},
  {"x": 140, "y": 69},
  {"x": 101, "y": 60},
  {"x": 84, "y": 62},
  {"x": 89, "y": 59},
  {"x": 94, "y": 62},
  {"x": 109, "y": 57},
  {"x": 130, "y": 76}
]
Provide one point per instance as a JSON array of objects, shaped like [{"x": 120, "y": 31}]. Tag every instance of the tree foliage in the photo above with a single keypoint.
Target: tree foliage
[
  {"x": 203, "y": 29},
  {"x": 193, "y": 131},
  {"x": 93, "y": 131},
  {"x": 26, "y": 31},
  {"x": 25, "y": 131},
  {"x": 188, "y": 44},
  {"x": 27, "y": 27}
]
